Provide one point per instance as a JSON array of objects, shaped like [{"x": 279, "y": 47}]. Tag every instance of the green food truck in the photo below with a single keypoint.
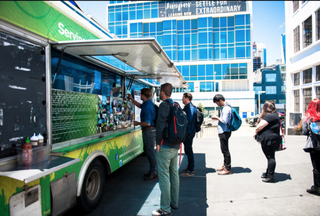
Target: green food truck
[{"x": 65, "y": 121}]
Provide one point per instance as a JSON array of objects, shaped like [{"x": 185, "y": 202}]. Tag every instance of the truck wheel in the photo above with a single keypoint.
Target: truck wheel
[{"x": 92, "y": 187}]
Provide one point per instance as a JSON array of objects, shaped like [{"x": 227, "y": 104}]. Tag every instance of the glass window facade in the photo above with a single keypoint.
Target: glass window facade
[
  {"x": 257, "y": 89},
  {"x": 191, "y": 40}
]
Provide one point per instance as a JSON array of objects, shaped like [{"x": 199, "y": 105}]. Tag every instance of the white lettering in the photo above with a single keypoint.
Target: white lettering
[
  {"x": 61, "y": 27},
  {"x": 68, "y": 34}
]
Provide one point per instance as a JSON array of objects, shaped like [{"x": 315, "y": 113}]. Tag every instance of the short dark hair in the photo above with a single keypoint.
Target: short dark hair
[
  {"x": 187, "y": 95},
  {"x": 146, "y": 92},
  {"x": 218, "y": 97},
  {"x": 167, "y": 89}
]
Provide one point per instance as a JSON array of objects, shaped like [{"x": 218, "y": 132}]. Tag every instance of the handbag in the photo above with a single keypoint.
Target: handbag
[{"x": 282, "y": 144}]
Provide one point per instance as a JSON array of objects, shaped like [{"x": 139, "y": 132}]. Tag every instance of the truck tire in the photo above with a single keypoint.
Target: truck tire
[{"x": 92, "y": 187}]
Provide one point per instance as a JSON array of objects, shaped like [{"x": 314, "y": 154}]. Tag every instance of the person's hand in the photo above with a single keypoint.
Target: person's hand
[
  {"x": 158, "y": 148},
  {"x": 129, "y": 96},
  {"x": 136, "y": 123},
  {"x": 215, "y": 117}
]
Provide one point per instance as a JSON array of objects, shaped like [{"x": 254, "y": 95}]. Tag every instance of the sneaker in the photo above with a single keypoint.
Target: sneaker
[
  {"x": 221, "y": 169},
  {"x": 160, "y": 212},
  {"x": 187, "y": 174},
  {"x": 314, "y": 190},
  {"x": 225, "y": 172}
]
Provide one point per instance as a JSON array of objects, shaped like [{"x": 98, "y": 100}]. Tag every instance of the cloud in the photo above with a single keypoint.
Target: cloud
[{"x": 282, "y": 25}]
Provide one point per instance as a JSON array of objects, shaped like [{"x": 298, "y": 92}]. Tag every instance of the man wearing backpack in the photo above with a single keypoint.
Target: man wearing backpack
[
  {"x": 191, "y": 112},
  {"x": 224, "y": 132},
  {"x": 167, "y": 155},
  {"x": 147, "y": 116}
]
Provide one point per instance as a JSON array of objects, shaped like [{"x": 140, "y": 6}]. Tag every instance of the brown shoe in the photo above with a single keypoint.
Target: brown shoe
[
  {"x": 221, "y": 169},
  {"x": 151, "y": 176},
  {"x": 225, "y": 172}
]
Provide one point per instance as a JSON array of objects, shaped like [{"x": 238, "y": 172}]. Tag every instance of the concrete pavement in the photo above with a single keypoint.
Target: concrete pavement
[{"x": 207, "y": 193}]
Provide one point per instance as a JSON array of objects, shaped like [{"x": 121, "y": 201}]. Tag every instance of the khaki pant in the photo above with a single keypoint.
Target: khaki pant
[{"x": 167, "y": 160}]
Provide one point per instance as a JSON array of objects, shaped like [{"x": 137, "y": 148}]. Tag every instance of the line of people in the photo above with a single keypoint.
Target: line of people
[
  {"x": 166, "y": 157},
  {"x": 167, "y": 152}
]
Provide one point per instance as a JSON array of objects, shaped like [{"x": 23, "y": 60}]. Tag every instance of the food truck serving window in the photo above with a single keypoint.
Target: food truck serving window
[{"x": 86, "y": 99}]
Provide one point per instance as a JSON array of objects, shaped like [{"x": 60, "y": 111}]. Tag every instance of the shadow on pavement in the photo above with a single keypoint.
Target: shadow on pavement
[
  {"x": 126, "y": 193},
  {"x": 282, "y": 177},
  {"x": 236, "y": 170}
]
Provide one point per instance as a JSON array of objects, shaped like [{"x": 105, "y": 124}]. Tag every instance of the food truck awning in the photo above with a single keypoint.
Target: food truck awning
[{"x": 143, "y": 57}]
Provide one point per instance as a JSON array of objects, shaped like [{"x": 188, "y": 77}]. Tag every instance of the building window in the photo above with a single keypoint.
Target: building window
[
  {"x": 318, "y": 92},
  {"x": 307, "y": 97},
  {"x": 283, "y": 89},
  {"x": 271, "y": 77},
  {"x": 295, "y": 5},
  {"x": 318, "y": 24},
  {"x": 296, "y": 35},
  {"x": 307, "y": 76},
  {"x": 191, "y": 87},
  {"x": 282, "y": 101},
  {"x": 283, "y": 77},
  {"x": 296, "y": 101},
  {"x": 296, "y": 79},
  {"x": 271, "y": 89},
  {"x": 318, "y": 73},
  {"x": 307, "y": 32},
  {"x": 257, "y": 89}
]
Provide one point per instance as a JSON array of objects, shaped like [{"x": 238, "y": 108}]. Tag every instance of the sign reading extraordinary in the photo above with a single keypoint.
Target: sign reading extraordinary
[{"x": 188, "y": 8}]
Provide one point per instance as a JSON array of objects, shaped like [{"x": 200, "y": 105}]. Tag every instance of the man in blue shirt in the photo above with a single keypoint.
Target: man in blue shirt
[
  {"x": 191, "y": 131},
  {"x": 224, "y": 132},
  {"x": 147, "y": 117}
]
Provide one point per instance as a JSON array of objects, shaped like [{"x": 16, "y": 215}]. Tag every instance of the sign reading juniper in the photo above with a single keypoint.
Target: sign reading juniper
[{"x": 187, "y": 8}]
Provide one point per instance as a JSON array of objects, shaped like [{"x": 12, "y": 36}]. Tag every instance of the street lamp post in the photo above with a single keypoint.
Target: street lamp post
[{"x": 259, "y": 99}]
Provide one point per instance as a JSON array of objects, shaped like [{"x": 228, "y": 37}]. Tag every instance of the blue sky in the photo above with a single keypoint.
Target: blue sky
[{"x": 268, "y": 23}]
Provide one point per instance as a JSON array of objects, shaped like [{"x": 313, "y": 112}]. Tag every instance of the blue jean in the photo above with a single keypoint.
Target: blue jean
[
  {"x": 167, "y": 160},
  {"x": 188, "y": 150},
  {"x": 148, "y": 148}
]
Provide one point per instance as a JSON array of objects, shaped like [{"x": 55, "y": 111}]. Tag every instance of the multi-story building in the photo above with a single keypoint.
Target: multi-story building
[
  {"x": 259, "y": 53},
  {"x": 209, "y": 42},
  {"x": 303, "y": 56},
  {"x": 271, "y": 86}
]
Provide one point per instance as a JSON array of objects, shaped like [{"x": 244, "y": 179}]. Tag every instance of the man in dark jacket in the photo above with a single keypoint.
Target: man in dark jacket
[
  {"x": 167, "y": 157},
  {"x": 191, "y": 112}
]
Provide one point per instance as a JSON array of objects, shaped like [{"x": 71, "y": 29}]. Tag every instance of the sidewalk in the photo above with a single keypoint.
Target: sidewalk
[{"x": 207, "y": 193}]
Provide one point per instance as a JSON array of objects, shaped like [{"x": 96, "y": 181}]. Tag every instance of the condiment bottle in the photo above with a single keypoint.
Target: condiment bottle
[
  {"x": 40, "y": 140},
  {"x": 27, "y": 153},
  {"x": 34, "y": 140}
]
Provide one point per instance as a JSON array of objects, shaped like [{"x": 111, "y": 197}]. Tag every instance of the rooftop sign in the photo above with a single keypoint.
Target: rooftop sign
[{"x": 189, "y": 8}]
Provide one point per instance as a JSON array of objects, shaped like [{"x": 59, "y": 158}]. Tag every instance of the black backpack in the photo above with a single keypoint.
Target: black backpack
[
  {"x": 155, "y": 120},
  {"x": 199, "y": 119},
  {"x": 176, "y": 126}
]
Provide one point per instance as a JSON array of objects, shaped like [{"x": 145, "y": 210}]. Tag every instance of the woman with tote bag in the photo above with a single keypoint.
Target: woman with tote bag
[{"x": 312, "y": 115}]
